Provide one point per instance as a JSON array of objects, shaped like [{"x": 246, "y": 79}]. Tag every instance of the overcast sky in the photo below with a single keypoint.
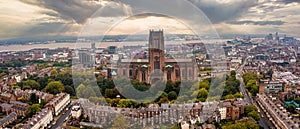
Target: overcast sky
[{"x": 33, "y": 18}]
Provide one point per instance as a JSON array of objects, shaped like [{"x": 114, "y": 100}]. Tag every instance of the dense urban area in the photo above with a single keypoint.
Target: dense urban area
[{"x": 52, "y": 88}]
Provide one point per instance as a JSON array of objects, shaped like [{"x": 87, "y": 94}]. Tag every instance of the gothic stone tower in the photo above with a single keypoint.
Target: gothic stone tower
[{"x": 156, "y": 54}]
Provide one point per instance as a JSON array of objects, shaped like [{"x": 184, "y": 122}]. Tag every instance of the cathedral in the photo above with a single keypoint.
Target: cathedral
[{"x": 157, "y": 66}]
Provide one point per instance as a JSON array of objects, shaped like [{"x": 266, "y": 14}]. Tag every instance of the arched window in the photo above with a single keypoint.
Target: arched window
[{"x": 156, "y": 63}]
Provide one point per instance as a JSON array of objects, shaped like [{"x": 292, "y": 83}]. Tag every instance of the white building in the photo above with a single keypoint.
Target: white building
[
  {"x": 58, "y": 103},
  {"x": 222, "y": 112},
  {"x": 39, "y": 120},
  {"x": 76, "y": 111}
]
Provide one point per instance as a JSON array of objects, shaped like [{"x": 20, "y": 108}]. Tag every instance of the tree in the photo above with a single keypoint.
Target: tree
[
  {"x": 86, "y": 92},
  {"x": 34, "y": 108},
  {"x": 297, "y": 100},
  {"x": 109, "y": 93},
  {"x": 243, "y": 125},
  {"x": 172, "y": 95},
  {"x": 80, "y": 88},
  {"x": 123, "y": 103},
  {"x": 15, "y": 87},
  {"x": 249, "y": 76},
  {"x": 249, "y": 108},
  {"x": 163, "y": 100},
  {"x": 33, "y": 84},
  {"x": 54, "y": 87},
  {"x": 26, "y": 87},
  {"x": 198, "y": 85},
  {"x": 70, "y": 90},
  {"x": 230, "y": 96},
  {"x": 34, "y": 98},
  {"x": 238, "y": 95},
  {"x": 232, "y": 73},
  {"x": 53, "y": 72},
  {"x": 202, "y": 93},
  {"x": 254, "y": 115},
  {"x": 252, "y": 87}
]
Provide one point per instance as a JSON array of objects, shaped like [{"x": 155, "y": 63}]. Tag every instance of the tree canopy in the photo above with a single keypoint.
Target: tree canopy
[{"x": 54, "y": 87}]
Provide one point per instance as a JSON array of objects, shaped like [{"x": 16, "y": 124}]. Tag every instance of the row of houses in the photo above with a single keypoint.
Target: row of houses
[
  {"x": 8, "y": 119},
  {"x": 58, "y": 103},
  {"x": 39, "y": 120},
  {"x": 55, "y": 103},
  {"x": 26, "y": 94},
  {"x": 154, "y": 114},
  {"x": 45, "y": 116},
  {"x": 19, "y": 108}
]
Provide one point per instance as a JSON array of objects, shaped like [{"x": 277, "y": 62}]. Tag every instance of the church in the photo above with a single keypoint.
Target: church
[{"x": 157, "y": 66}]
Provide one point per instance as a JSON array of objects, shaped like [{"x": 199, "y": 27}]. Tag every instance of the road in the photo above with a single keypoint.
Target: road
[
  {"x": 262, "y": 122},
  {"x": 61, "y": 119}
]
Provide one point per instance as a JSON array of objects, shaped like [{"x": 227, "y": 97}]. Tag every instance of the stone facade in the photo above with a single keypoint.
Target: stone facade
[{"x": 157, "y": 66}]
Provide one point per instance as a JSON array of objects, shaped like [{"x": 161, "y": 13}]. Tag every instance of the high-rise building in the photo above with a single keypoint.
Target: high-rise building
[{"x": 86, "y": 57}]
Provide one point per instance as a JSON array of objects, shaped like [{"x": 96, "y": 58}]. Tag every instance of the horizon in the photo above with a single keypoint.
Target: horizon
[{"x": 33, "y": 19}]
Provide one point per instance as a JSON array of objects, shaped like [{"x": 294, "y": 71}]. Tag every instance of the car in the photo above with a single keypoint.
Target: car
[
  {"x": 49, "y": 127},
  {"x": 66, "y": 118}
]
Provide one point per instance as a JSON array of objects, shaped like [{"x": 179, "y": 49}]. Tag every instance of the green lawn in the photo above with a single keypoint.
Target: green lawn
[{"x": 206, "y": 71}]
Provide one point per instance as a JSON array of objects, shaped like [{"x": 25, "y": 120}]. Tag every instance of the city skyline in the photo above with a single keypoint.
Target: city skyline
[{"x": 33, "y": 18}]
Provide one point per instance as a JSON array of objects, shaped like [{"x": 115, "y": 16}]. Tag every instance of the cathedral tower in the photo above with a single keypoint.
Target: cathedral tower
[{"x": 156, "y": 50}]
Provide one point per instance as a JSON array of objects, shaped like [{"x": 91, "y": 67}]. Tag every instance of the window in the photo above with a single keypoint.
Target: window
[
  {"x": 169, "y": 75},
  {"x": 156, "y": 63},
  {"x": 177, "y": 73},
  {"x": 124, "y": 72},
  {"x": 136, "y": 73},
  {"x": 190, "y": 73},
  {"x": 143, "y": 76},
  {"x": 183, "y": 72},
  {"x": 130, "y": 72}
]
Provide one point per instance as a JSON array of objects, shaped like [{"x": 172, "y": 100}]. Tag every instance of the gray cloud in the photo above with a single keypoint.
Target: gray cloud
[
  {"x": 52, "y": 28},
  {"x": 219, "y": 12},
  {"x": 265, "y": 6},
  {"x": 77, "y": 10},
  {"x": 288, "y": 1},
  {"x": 257, "y": 22},
  {"x": 81, "y": 10}
]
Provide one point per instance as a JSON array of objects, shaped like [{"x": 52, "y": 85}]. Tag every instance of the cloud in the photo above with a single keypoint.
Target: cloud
[
  {"x": 262, "y": 23},
  {"x": 145, "y": 15},
  {"x": 288, "y": 1},
  {"x": 79, "y": 10},
  {"x": 218, "y": 11}
]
